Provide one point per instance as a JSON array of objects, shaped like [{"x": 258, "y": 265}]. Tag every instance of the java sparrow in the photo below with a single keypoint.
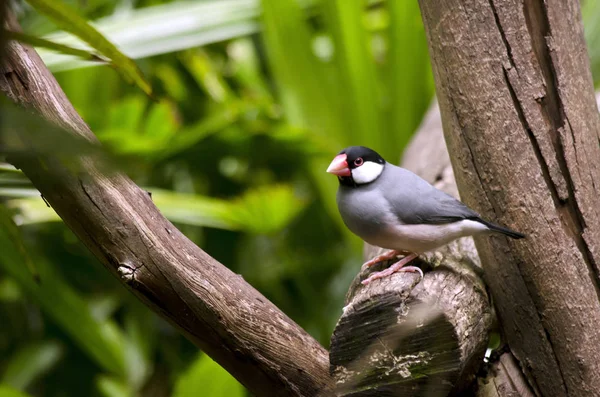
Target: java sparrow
[{"x": 391, "y": 207}]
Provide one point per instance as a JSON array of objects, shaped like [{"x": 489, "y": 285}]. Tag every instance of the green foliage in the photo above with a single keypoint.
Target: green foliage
[
  {"x": 590, "y": 11},
  {"x": 31, "y": 362},
  {"x": 43, "y": 43},
  {"x": 233, "y": 150},
  {"x": 6, "y": 391},
  {"x": 263, "y": 210},
  {"x": 208, "y": 377},
  {"x": 99, "y": 339},
  {"x": 69, "y": 20}
]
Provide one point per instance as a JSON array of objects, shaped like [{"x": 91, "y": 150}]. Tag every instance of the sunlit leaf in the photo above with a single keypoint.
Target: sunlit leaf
[
  {"x": 30, "y": 362},
  {"x": 203, "y": 70},
  {"x": 112, "y": 387},
  {"x": 68, "y": 19},
  {"x": 262, "y": 210},
  {"x": 166, "y": 28},
  {"x": 134, "y": 129},
  {"x": 266, "y": 210},
  {"x": 208, "y": 378},
  {"x": 50, "y": 45},
  {"x": 7, "y": 391}
]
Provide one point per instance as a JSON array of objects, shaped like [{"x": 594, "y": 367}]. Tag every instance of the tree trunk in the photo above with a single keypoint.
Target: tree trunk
[
  {"x": 117, "y": 221},
  {"x": 504, "y": 379},
  {"x": 400, "y": 338},
  {"x": 519, "y": 115}
]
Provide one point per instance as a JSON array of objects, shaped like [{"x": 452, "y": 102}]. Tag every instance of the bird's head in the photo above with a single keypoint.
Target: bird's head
[{"x": 357, "y": 165}]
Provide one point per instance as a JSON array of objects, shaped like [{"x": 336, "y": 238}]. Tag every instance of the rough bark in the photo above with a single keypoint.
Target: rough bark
[
  {"x": 504, "y": 379},
  {"x": 400, "y": 338},
  {"x": 117, "y": 221},
  {"x": 517, "y": 103}
]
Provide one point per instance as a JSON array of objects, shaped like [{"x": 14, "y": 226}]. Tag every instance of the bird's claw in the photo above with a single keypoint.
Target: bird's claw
[
  {"x": 396, "y": 267},
  {"x": 386, "y": 256}
]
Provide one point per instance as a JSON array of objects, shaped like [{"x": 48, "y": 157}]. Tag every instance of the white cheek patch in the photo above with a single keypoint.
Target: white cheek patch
[{"x": 367, "y": 172}]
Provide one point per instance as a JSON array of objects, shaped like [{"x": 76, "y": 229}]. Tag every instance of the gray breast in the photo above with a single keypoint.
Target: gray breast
[{"x": 364, "y": 210}]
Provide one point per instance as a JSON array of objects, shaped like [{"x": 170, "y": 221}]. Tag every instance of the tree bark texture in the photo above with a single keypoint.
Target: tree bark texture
[
  {"x": 504, "y": 379},
  {"x": 117, "y": 221},
  {"x": 399, "y": 337},
  {"x": 517, "y": 103}
]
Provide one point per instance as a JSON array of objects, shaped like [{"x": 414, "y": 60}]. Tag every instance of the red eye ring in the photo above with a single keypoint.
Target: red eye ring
[{"x": 358, "y": 162}]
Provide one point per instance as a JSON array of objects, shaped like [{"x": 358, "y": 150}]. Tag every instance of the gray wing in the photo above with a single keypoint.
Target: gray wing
[{"x": 414, "y": 201}]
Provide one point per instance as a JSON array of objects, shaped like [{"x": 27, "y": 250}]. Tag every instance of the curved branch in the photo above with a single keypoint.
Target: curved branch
[
  {"x": 517, "y": 103},
  {"x": 117, "y": 221}
]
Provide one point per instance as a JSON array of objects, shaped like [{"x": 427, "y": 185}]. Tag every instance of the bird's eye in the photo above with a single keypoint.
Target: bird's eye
[{"x": 358, "y": 162}]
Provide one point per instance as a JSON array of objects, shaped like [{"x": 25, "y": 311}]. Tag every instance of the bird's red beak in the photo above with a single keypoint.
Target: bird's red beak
[{"x": 339, "y": 166}]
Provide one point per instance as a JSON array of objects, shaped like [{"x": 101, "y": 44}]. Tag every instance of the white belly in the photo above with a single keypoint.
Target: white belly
[{"x": 423, "y": 238}]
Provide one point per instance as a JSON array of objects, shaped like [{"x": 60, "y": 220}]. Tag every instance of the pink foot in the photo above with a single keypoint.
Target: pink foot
[
  {"x": 383, "y": 257},
  {"x": 396, "y": 267}
]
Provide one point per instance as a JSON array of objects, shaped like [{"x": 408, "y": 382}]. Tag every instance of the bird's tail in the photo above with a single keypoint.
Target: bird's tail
[{"x": 501, "y": 229}]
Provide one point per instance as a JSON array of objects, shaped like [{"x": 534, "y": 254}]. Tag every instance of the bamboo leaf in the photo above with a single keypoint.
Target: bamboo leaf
[
  {"x": 12, "y": 237},
  {"x": 356, "y": 71},
  {"x": 590, "y": 11},
  {"x": 7, "y": 391},
  {"x": 30, "y": 362},
  {"x": 102, "y": 341},
  {"x": 262, "y": 210},
  {"x": 411, "y": 79},
  {"x": 206, "y": 375},
  {"x": 69, "y": 20},
  {"x": 166, "y": 28},
  {"x": 61, "y": 48}
]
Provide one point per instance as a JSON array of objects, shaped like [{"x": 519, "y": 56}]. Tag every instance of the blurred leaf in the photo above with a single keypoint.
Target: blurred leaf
[
  {"x": 166, "y": 28},
  {"x": 411, "y": 80},
  {"x": 261, "y": 210},
  {"x": 101, "y": 340},
  {"x": 299, "y": 75},
  {"x": 310, "y": 98},
  {"x": 218, "y": 120},
  {"x": 60, "y": 48},
  {"x": 11, "y": 236},
  {"x": 23, "y": 132},
  {"x": 590, "y": 11},
  {"x": 110, "y": 387},
  {"x": 356, "y": 70},
  {"x": 267, "y": 209},
  {"x": 30, "y": 210},
  {"x": 133, "y": 129},
  {"x": 208, "y": 378},
  {"x": 203, "y": 70},
  {"x": 30, "y": 362},
  {"x": 69, "y": 20},
  {"x": 7, "y": 391},
  {"x": 141, "y": 338}
]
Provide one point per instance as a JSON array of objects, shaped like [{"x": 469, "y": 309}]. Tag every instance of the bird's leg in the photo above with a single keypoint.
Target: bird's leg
[
  {"x": 386, "y": 256},
  {"x": 396, "y": 267}
]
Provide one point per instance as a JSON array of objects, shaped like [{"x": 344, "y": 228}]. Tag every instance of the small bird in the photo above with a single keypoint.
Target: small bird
[{"x": 391, "y": 207}]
